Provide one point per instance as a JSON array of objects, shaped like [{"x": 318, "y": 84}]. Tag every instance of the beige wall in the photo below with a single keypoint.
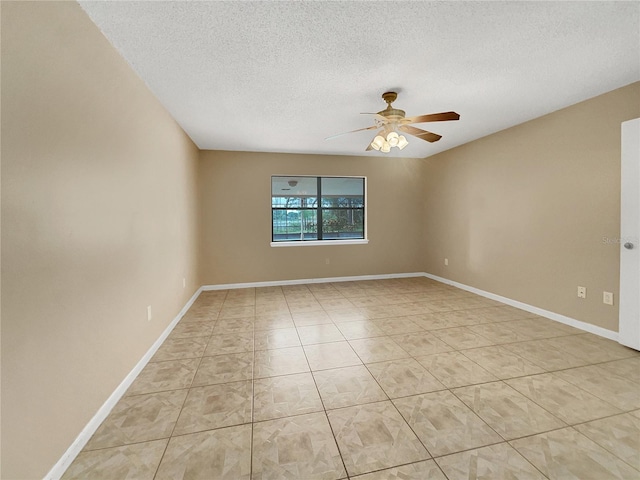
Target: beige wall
[
  {"x": 98, "y": 221},
  {"x": 235, "y": 208},
  {"x": 522, "y": 213}
]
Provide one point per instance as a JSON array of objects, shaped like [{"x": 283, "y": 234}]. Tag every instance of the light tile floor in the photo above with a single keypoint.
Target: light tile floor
[{"x": 389, "y": 379}]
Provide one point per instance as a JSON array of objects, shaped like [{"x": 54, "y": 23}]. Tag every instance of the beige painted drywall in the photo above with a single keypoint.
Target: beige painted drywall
[
  {"x": 98, "y": 221},
  {"x": 526, "y": 212},
  {"x": 235, "y": 208}
]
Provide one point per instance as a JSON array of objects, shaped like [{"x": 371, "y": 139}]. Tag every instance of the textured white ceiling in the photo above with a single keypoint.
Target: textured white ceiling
[{"x": 281, "y": 76}]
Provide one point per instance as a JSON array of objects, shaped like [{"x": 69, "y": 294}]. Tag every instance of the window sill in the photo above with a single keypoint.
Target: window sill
[{"x": 315, "y": 243}]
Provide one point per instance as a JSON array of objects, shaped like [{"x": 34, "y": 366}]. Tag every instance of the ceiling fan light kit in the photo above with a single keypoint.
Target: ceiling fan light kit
[
  {"x": 393, "y": 140},
  {"x": 391, "y": 120}
]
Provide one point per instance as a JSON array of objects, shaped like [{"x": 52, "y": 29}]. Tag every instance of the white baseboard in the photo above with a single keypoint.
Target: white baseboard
[
  {"x": 87, "y": 432},
  {"x": 587, "y": 327},
  {"x": 76, "y": 447},
  {"x": 279, "y": 283}
]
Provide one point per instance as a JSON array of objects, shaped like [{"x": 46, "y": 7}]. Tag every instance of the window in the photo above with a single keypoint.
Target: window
[{"x": 317, "y": 209}]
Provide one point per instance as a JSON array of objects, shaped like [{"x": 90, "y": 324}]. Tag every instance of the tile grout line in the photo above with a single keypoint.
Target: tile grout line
[
  {"x": 603, "y": 446},
  {"x": 185, "y": 399},
  {"x": 179, "y": 414},
  {"x": 324, "y": 408},
  {"x": 253, "y": 393}
]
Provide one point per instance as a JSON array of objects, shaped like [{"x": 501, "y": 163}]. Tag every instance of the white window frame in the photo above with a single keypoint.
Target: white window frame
[{"x": 315, "y": 243}]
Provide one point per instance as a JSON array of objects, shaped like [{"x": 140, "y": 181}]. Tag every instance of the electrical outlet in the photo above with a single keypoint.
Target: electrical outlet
[
  {"x": 446, "y": 261},
  {"x": 326, "y": 261},
  {"x": 184, "y": 282},
  {"x": 149, "y": 313},
  {"x": 607, "y": 298},
  {"x": 582, "y": 292}
]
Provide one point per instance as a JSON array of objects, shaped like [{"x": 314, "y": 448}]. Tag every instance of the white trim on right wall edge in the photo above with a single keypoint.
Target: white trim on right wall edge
[{"x": 587, "y": 327}]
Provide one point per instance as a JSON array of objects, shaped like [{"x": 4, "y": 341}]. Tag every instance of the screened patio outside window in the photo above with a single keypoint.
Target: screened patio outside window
[{"x": 305, "y": 209}]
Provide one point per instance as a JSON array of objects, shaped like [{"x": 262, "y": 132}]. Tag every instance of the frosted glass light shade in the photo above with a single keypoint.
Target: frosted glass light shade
[
  {"x": 377, "y": 142},
  {"x": 386, "y": 148},
  {"x": 392, "y": 138},
  {"x": 402, "y": 142}
]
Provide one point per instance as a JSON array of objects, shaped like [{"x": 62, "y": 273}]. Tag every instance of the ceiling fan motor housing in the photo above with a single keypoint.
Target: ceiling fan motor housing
[{"x": 390, "y": 112}]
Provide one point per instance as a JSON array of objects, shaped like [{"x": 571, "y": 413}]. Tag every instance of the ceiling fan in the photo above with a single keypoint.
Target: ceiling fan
[{"x": 393, "y": 123}]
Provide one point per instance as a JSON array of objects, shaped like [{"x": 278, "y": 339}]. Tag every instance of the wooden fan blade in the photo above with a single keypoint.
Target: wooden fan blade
[
  {"x": 352, "y": 131},
  {"x": 432, "y": 117},
  {"x": 418, "y": 132}
]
